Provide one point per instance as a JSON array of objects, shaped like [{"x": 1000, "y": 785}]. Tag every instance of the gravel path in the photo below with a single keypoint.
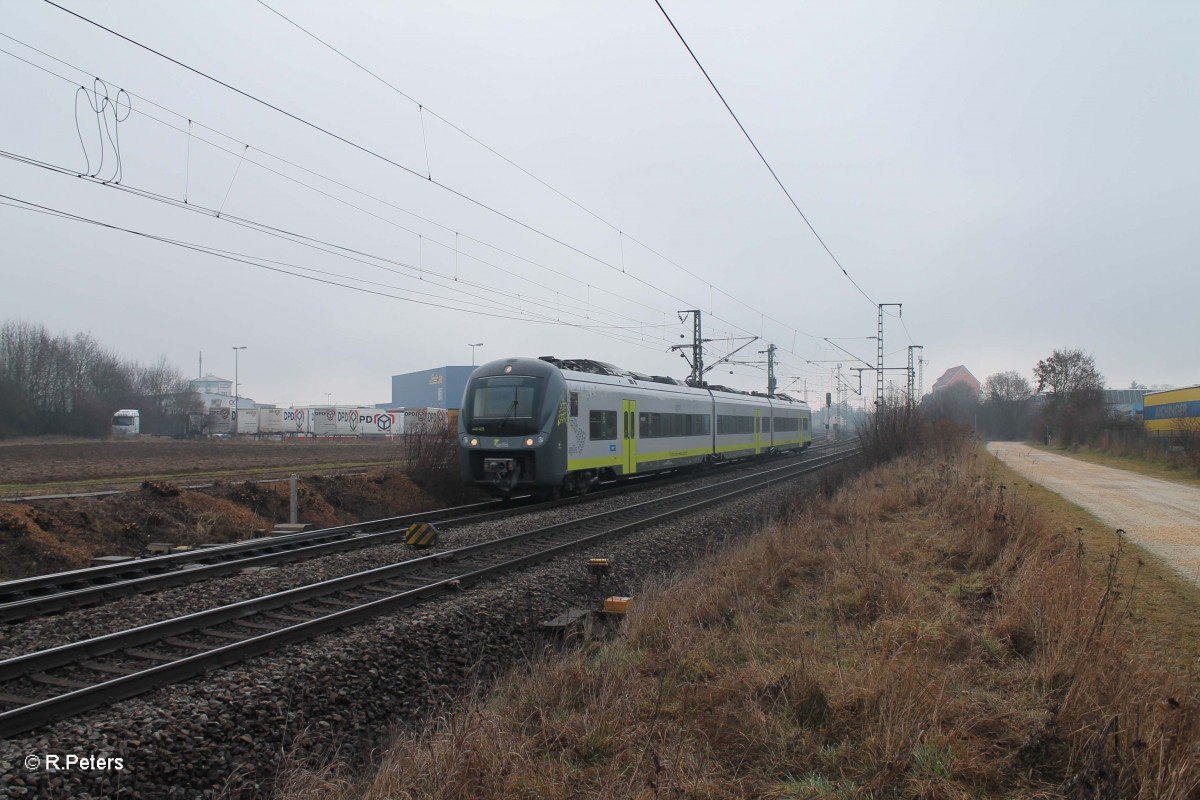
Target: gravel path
[
  {"x": 1161, "y": 516},
  {"x": 226, "y": 733}
]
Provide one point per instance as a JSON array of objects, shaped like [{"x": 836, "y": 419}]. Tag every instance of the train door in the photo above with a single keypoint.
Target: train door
[
  {"x": 757, "y": 431},
  {"x": 629, "y": 436}
]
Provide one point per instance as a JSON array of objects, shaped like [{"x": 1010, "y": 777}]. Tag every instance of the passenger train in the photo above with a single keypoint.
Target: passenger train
[{"x": 549, "y": 426}]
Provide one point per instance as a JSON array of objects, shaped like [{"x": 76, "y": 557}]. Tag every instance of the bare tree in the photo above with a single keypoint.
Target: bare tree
[
  {"x": 1068, "y": 371},
  {"x": 1006, "y": 406},
  {"x": 1007, "y": 387},
  {"x": 159, "y": 389},
  {"x": 71, "y": 384},
  {"x": 1073, "y": 387}
]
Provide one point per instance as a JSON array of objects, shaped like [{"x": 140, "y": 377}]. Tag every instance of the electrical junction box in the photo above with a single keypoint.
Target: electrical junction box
[{"x": 617, "y": 605}]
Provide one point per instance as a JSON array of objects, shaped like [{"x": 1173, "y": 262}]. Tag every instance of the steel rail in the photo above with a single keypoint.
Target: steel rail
[
  {"x": 123, "y": 572},
  {"x": 25, "y": 587},
  {"x": 334, "y": 540},
  {"x": 65, "y": 654},
  {"x": 48, "y": 594},
  {"x": 613, "y": 523}
]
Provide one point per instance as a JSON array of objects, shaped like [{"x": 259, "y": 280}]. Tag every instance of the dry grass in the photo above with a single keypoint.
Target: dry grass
[
  {"x": 926, "y": 632},
  {"x": 1164, "y": 607}
]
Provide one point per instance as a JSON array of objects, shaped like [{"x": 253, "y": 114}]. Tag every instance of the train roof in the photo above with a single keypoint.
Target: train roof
[
  {"x": 587, "y": 365},
  {"x": 592, "y": 367}
]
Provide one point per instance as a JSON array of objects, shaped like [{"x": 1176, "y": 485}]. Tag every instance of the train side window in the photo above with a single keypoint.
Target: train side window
[
  {"x": 734, "y": 423},
  {"x": 658, "y": 425},
  {"x": 574, "y": 404},
  {"x": 602, "y": 424}
]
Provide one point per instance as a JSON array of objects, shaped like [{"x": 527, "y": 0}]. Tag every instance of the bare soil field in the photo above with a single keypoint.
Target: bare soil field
[{"x": 44, "y": 467}]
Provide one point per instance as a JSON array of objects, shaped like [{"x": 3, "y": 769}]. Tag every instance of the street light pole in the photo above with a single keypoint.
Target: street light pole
[
  {"x": 473, "y": 346},
  {"x": 235, "y": 388}
]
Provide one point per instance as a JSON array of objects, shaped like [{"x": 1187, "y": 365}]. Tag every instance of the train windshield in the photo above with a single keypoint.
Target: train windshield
[
  {"x": 123, "y": 421},
  {"x": 505, "y": 405}
]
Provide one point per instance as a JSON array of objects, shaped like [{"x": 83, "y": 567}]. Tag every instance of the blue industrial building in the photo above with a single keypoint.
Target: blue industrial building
[
  {"x": 441, "y": 387},
  {"x": 1126, "y": 402}
]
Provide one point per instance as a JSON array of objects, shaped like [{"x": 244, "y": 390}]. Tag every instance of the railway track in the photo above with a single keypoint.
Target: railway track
[
  {"x": 41, "y": 687},
  {"x": 49, "y": 594}
]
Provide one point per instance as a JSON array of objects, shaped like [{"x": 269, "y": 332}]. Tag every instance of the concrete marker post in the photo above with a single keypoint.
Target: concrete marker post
[{"x": 295, "y": 517}]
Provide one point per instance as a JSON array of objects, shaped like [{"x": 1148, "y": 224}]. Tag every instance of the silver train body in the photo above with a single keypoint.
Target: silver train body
[{"x": 550, "y": 426}]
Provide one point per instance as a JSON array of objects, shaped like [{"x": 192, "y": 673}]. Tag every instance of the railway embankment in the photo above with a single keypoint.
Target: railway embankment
[
  {"x": 343, "y": 695},
  {"x": 42, "y": 536},
  {"x": 937, "y": 628}
]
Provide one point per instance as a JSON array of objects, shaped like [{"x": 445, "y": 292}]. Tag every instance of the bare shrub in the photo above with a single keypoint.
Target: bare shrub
[
  {"x": 890, "y": 431},
  {"x": 1188, "y": 436},
  {"x": 431, "y": 462}
]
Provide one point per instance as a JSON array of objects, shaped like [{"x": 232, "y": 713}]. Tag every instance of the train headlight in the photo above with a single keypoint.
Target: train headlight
[
  {"x": 541, "y": 440},
  {"x": 529, "y": 442},
  {"x": 474, "y": 442}
]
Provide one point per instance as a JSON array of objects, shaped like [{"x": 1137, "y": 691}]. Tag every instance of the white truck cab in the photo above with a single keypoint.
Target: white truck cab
[{"x": 126, "y": 422}]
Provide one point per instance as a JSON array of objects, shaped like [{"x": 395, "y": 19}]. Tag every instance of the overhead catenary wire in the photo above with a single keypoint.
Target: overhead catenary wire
[
  {"x": 467, "y": 255},
  {"x": 763, "y": 158},
  {"x": 422, "y": 108},
  {"x": 367, "y": 151},
  {"x": 381, "y": 157},
  {"x": 340, "y": 251},
  {"x": 319, "y": 276},
  {"x": 240, "y": 155},
  {"x": 244, "y": 145}
]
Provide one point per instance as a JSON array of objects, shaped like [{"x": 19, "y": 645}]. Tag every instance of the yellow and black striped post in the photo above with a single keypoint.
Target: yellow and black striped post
[{"x": 422, "y": 534}]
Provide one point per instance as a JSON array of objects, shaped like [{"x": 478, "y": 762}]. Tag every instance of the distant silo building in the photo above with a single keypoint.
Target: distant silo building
[
  {"x": 956, "y": 376},
  {"x": 217, "y": 393},
  {"x": 1173, "y": 412},
  {"x": 441, "y": 387}
]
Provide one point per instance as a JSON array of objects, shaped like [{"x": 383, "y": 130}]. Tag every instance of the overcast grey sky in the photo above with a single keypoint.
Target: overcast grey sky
[{"x": 1021, "y": 176}]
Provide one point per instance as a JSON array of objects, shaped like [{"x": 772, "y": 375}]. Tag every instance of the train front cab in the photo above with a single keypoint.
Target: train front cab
[{"x": 512, "y": 427}]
